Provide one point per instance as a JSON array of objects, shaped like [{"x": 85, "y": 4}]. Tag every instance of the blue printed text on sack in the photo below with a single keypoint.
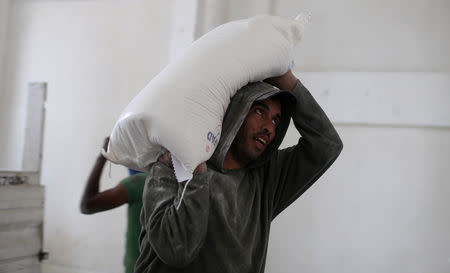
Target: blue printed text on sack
[{"x": 214, "y": 139}]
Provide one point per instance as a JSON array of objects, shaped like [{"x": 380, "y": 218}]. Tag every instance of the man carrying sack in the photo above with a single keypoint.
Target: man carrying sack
[{"x": 223, "y": 221}]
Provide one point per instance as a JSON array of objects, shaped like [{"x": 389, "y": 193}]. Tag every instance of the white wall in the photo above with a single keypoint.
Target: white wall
[
  {"x": 95, "y": 56},
  {"x": 380, "y": 208},
  {"x": 4, "y": 8},
  {"x": 4, "y": 12},
  {"x": 373, "y": 35}
]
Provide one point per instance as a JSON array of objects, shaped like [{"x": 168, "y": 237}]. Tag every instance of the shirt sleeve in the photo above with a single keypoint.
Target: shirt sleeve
[
  {"x": 175, "y": 234},
  {"x": 293, "y": 170},
  {"x": 133, "y": 186}
]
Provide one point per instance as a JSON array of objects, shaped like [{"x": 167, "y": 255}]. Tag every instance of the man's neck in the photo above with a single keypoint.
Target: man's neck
[{"x": 231, "y": 163}]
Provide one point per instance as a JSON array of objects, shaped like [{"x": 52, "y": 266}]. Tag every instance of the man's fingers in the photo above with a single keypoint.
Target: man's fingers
[
  {"x": 286, "y": 81},
  {"x": 201, "y": 168},
  {"x": 166, "y": 159}
]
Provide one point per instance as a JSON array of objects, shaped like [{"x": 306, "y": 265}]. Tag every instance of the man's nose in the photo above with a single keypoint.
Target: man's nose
[{"x": 268, "y": 128}]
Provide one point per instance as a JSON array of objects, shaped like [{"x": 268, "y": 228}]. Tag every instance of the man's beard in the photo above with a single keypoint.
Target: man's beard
[{"x": 242, "y": 152}]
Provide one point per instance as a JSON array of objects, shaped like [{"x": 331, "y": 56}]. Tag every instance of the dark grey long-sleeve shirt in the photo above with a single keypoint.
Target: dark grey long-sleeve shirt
[{"x": 223, "y": 223}]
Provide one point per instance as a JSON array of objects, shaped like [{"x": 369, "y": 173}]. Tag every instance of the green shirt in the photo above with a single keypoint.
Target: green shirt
[{"x": 134, "y": 186}]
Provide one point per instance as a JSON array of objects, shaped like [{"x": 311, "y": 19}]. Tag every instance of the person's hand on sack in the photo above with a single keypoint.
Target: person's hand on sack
[
  {"x": 286, "y": 81},
  {"x": 167, "y": 160},
  {"x": 105, "y": 144},
  {"x": 105, "y": 148}
]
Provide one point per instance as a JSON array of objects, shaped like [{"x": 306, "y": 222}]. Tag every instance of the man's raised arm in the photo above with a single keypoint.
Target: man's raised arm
[{"x": 293, "y": 170}]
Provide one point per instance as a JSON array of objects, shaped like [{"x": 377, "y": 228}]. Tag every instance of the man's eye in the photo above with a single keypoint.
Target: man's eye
[
  {"x": 275, "y": 121},
  {"x": 258, "y": 111}
]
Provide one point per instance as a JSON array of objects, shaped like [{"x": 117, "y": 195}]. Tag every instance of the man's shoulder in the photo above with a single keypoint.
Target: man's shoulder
[{"x": 158, "y": 170}]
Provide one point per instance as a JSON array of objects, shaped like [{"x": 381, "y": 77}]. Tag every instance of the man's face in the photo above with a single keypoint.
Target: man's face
[{"x": 257, "y": 131}]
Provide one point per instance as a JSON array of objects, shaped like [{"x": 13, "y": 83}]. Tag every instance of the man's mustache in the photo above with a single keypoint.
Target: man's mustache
[{"x": 259, "y": 134}]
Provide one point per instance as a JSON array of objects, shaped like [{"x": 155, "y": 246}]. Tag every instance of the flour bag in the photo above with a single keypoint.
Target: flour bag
[{"x": 181, "y": 109}]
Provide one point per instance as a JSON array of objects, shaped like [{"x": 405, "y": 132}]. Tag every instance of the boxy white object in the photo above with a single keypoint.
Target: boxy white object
[{"x": 182, "y": 108}]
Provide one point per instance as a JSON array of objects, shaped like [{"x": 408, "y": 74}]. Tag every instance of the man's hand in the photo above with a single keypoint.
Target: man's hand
[
  {"x": 201, "y": 168},
  {"x": 167, "y": 160},
  {"x": 100, "y": 157},
  {"x": 286, "y": 81}
]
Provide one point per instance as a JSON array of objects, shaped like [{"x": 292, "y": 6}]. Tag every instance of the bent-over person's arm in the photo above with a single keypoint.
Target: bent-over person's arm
[{"x": 93, "y": 200}]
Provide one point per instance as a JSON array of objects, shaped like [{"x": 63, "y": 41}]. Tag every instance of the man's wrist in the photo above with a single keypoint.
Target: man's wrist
[
  {"x": 101, "y": 158},
  {"x": 286, "y": 81}
]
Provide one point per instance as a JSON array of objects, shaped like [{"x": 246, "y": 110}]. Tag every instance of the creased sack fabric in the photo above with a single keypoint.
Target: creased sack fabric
[{"x": 182, "y": 108}]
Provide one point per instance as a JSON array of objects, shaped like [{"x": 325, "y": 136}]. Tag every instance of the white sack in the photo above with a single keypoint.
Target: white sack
[{"x": 182, "y": 108}]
